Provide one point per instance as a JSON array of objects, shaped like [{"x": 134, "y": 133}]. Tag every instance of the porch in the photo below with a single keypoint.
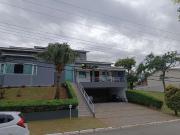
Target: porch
[{"x": 108, "y": 75}]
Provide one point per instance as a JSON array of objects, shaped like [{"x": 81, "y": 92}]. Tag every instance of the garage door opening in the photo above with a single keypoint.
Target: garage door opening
[{"x": 101, "y": 95}]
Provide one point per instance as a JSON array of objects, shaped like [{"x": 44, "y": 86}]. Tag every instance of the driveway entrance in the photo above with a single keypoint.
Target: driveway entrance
[{"x": 123, "y": 114}]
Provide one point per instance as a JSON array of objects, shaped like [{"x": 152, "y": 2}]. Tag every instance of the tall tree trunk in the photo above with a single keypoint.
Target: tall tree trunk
[
  {"x": 57, "y": 94},
  {"x": 59, "y": 69},
  {"x": 163, "y": 80}
]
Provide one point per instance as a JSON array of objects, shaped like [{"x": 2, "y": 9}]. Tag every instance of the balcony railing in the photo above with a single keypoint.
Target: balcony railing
[{"x": 108, "y": 79}]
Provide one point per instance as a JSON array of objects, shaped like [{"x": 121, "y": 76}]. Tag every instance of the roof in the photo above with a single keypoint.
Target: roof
[
  {"x": 102, "y": 68},
  {"x": 93, "y": 62},
  {"x": 23, "y": 49},
  {"x": 26, "y": 49}
]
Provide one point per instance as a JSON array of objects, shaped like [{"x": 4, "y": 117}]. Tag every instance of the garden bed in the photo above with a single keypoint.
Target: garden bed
[{"x": 36, "y": 100}]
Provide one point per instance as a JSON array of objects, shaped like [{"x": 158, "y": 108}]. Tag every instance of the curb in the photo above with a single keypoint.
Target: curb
[
  {"x": 83, "y": 131},
  {"x": 111, "y": 128}
]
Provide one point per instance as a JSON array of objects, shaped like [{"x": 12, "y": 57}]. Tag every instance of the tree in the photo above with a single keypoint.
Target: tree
[
  {"x": 172, "y": 98},
  {"x": 161, "y": 63},
  {"x": 128, "y": 64},
  {"x": 59, "y": 55},
  {"x": 142, "y": 72}
]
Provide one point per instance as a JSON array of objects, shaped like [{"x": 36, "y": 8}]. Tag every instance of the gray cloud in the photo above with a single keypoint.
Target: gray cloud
[{"x": 110, "y": 29}]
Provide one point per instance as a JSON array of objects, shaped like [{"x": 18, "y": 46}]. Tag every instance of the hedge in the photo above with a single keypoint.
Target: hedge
[
  {"x": 172, "y": 98},
  {"x": 41, "y": 105},
  {"x": 143, "y": 99}
]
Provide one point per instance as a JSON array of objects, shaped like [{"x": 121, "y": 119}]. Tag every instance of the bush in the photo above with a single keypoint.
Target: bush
[
  {"x": 70, "y": 90},
  {"x": 143, "y": 99},
  {"x": 172, "y": 98},
  {"x": 41, "y": 105}
]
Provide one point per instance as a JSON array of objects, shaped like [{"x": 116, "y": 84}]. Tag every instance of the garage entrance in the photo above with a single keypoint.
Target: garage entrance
[{"x": 101, "y": 95}]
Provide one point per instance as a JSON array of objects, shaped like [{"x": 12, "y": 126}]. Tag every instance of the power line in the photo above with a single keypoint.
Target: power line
[
  {"x": 28, "y": 36},
  {"x": 37, "y": 37},
  {"x": 57, "y": 9},
  {"x": 26, "y": 9},
  {"x": 114, "y": 17}
]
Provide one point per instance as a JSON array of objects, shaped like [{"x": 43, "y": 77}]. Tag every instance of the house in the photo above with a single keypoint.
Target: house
[
  {"x": 154, "y": 82},
  {"x": 20, "y": 67}
]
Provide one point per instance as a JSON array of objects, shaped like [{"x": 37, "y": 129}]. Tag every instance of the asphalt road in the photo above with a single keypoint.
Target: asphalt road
[{"x": 172, "y": 128}]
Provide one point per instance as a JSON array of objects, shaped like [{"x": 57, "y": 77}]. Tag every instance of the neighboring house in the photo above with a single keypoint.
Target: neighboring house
[
  {"x": 154, "y": 82},
  {"x": 20, "y": 67}
]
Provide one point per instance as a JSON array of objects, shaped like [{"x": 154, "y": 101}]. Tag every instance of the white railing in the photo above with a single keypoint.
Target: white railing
[
  {"x": 87, "y": 99},
  {"x": 109, "y": 79}
]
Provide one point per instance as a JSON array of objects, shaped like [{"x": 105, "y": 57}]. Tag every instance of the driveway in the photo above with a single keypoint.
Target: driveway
[
  {"x": 171, "y": 128},
  {"x": 123, "y": 114}
]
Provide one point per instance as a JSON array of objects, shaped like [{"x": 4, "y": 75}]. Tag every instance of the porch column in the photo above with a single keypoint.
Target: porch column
[{"x": 93, "y": 78}]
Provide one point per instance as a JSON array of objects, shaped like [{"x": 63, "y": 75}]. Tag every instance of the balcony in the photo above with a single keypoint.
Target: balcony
[
  {"x": 108, "y": 79},
  {"x": 105, "y": 82}
]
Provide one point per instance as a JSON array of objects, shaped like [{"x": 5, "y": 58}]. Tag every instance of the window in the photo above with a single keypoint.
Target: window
[
  {"x": 18, "y": 68},
  {"x": 12, "y": 68},
  {"x": 1, "y": 68},
  {"x": 104, "y": 73},
  {"x": 82, "y": 74},
  {"x": 5, "y": 118},
  {"x": 9, "y": 68},
  {"x": 27, "y": 68}
]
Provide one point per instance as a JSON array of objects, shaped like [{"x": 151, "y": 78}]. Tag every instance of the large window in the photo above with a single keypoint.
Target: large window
[
  {"x": 82, "y": 74},
  {"x": 12, "y": 68}
]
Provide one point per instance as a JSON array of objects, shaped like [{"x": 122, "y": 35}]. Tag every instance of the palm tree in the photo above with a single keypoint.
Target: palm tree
[{"x": 59, "y": 55}]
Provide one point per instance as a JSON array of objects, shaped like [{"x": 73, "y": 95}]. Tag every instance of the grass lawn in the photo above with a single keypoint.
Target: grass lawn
[
  {"x": 160, "y": 96},
  {"x": 32, "y": 93},
  {"x": 64, "y": 125}
]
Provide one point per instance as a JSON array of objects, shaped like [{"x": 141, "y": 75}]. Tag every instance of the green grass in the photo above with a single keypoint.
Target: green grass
[
  {"x": 36, "y": 99},
  {"x": 160, "y": 96},
  {"x": 64, "y": 125},
  {"x": 30, "y": 93}
]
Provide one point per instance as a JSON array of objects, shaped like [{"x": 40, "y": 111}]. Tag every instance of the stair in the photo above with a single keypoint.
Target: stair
[{"x": 83, "y": 109}]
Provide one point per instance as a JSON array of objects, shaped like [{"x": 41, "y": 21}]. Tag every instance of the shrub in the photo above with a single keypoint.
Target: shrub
[
  {"x": 37, "y": 105},
  {"x": 143, "y": 99},
  {"x": 70, "y": 90},
  {"x": 172, "y": 98}
]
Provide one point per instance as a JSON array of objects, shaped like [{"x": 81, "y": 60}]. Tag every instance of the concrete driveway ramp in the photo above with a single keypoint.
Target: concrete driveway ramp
[{"x": 123, "y": 114}]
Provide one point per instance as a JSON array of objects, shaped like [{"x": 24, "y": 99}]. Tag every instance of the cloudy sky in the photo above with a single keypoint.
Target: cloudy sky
[{"x": 109, "y": 29}]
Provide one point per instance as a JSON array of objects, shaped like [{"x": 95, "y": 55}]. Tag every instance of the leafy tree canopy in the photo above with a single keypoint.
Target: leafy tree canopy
[
  {"x": 127, "y": 63},
  {"x": 59, "y": 55},
  {"x": 161, "y": 63}
]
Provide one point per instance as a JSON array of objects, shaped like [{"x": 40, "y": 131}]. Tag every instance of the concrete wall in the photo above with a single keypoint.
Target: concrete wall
[
  {"x": 81, "y": 56},
  {"x": 50, "y": 115},
  {"x": 155, "y": 84},
  {"x": 121, "y": 92}
]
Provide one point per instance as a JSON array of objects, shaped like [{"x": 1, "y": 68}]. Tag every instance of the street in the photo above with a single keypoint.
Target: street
[{"x": 171, "y": 128}]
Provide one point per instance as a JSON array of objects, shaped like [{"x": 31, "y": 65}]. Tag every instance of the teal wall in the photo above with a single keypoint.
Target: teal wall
[{"x": 69, "y": 73}]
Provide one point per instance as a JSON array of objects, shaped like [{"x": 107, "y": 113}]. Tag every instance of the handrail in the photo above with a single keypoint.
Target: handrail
[
  {"x": 87, "y": 98},
  {"x": 109, "y": 79}
]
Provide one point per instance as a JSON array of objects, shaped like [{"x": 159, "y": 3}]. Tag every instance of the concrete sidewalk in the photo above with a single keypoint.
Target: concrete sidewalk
[{"x": 123, "y": 114}]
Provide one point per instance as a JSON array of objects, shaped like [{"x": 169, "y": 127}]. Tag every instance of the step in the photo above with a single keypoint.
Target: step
[{"x": 83, "y": 108}]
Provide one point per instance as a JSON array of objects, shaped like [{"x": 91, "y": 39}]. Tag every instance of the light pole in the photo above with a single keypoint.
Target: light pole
[{"x": 70, "y": 115}]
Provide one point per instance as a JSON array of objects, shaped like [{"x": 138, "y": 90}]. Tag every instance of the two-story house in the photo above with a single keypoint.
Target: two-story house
[{"x": 20, "y": 67}]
